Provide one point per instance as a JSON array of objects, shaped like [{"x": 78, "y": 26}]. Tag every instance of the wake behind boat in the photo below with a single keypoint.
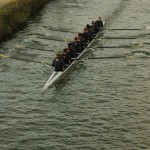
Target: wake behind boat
[{"x": 58, "y": 75}]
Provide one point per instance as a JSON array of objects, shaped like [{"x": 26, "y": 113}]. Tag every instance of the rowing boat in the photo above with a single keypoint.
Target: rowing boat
[{"x": 57, "y": 75}]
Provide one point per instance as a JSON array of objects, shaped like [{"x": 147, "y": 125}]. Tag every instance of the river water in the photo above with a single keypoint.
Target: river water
[{"x": 102, "y": 105}]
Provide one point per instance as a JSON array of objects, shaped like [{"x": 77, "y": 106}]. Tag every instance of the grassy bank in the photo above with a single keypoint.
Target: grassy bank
[{"x": 15, "y": 14}]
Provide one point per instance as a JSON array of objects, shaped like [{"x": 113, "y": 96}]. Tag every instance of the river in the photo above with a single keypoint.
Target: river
[{"x": 102, "y": 105}]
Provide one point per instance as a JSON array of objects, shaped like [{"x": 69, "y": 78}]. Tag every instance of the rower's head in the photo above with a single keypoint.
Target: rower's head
[
  {"x": 65, "y": 50},
  {"x": 85, "y": 30},
  {"x": 92, "y": 22},
  {"x": 79, "y": 34},
  {"x": 99, "y": 18},
  {"x": 58, "y": 55},
  {"x": 76, "y": 38},
  {"x": 69, "y": 44},
  {"x": 87, "y": 26}
]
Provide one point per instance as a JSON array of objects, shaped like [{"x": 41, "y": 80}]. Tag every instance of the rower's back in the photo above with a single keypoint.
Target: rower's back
[
  {"x": 58, "y": 63},
  {"x": 99, "y": 22}
]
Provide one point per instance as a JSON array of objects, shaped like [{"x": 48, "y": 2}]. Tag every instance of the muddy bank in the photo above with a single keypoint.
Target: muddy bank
[{"x": 14, "y": 15}]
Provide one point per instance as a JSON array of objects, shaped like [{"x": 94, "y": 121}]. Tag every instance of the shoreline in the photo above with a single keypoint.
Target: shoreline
[{"x": 14, "y": 15}]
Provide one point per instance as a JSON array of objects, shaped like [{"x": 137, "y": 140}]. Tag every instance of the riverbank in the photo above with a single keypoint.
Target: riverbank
[{"x": 15, "y": 13}]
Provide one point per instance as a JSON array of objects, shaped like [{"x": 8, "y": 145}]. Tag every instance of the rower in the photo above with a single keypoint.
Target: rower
[
  {"x": 66, "y": 58},
  {"x": 99, "y": 23},
  {"x": 94, "y": 28},
  {"x": 76, "y": 45},
  {"x": 92, "y": 24},
  {"x": 85, "y": 36},
  {"x": 58, "y": 63},
  {"x": 90, "y": 31},
  {"x": 71, "y": 51},
  {"x": 82, "y": 40}
]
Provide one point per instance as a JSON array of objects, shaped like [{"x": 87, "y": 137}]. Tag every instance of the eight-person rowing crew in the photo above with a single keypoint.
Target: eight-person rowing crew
[{"x": 65, "y": 58}]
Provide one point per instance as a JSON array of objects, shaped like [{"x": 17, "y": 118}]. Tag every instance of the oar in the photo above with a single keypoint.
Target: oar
[
  {"x": 60, "y": 30},
  {"x": 133, "y": 37},
  {"x": 5, "y": 56},
  {"x": 146, "y": 43},
  {"x": 143, "y": 52},
  {"x": 117, "y": 29},
  {"x": 67, "y": 40},
  {"x": 121, "y": 46},
  {"x": 107, "y": 37},
  {"x": 109, "y": 57},
  {"x": 108, "y": 29},
  {"x": 53, "y": 39},
  {"x": 38, "y": 49},
  {"x": 145, "y": 28},
  {"x": 139, "y": 36},
  {"x": 41, "y": 36},
  {"x": 122, "y": 29},
  {"x": 118, "y": 38},
  {"x": 133, "y": 45}
]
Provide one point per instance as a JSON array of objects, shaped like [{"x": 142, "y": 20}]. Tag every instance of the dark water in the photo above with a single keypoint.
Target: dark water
[{"x": 104, "y": 104}]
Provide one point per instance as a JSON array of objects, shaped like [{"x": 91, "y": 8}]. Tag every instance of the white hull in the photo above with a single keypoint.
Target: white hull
[{"x": 56, "y": 76}]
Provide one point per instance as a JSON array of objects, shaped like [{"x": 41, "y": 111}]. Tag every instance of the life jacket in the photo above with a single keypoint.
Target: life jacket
[
  {"x": 71, "y": 52},
  {"x": 85, "y": 36},
  {"x": 98, "y": 23},
  {"x": 95, "y": 29},
  {"x": 91, "y": 34},
  {"x": 67, "y": 59},
  {"x": 82, "y": 41},
  {"x": 58, "y": 64},
  {"x": 77, "y": 46},
  {"x": 101, "y": 23}
]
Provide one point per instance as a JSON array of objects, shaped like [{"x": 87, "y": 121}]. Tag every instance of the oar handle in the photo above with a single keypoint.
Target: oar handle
[{"x": 120, "y": 29}]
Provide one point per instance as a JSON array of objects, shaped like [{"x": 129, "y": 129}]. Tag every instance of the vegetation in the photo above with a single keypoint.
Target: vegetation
[{"x": 14, "y": 15}]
